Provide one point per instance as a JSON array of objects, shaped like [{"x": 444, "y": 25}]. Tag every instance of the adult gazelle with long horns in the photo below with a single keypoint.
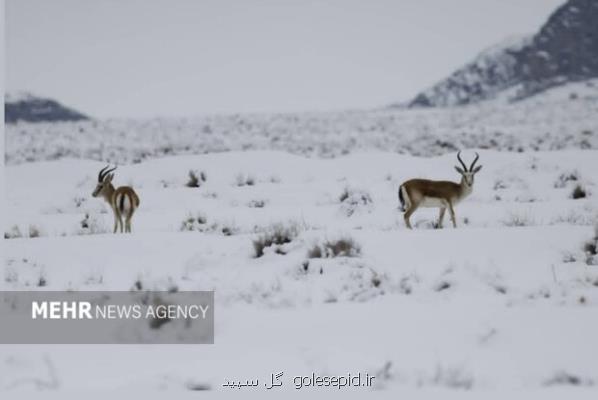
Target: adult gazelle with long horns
[
  {"x": 123, "y": 200},
  {"x": 416, "y": 193}
]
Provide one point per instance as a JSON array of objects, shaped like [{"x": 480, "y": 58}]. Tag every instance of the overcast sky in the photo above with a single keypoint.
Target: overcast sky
[{"x": 144, "y": 58}]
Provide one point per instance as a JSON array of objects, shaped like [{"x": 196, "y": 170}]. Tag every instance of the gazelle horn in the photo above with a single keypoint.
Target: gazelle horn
[
  {"x": 477, "y": 156},
  {"x": 461, "y": 161},
  {"x": 105, "y": 171}
]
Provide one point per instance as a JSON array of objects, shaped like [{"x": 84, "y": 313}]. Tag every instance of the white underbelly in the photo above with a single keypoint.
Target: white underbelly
[{"x": 429, "y": 202}]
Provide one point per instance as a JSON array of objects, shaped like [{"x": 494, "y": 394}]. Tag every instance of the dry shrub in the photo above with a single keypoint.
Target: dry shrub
[
  {"x": 257, "y": 203},
  {"x": 450, "y": 377},
  {"x": 196, "y": 179},
  {"x": 342, "y": 247},
  {"x": 34, "y": 231},
  {"x": 193, "y": 222},
  {"x": 578, "y": 192},
  {"x": 277, "y": 234},
  {"x": 13, "y": 233},
  {"x": 42, "y": 281},
  {"x": 590, "y": 249},
  {"x": 354, "y": 200},
  {"x": 90, "y": 225},
  {"x": 519, "y": 220},
  {"x": 566, "y": 378},
  {"x": 565, "y": 178},
  {"x": 244, "y": 180},
  {"x": 199, "y": 223}
]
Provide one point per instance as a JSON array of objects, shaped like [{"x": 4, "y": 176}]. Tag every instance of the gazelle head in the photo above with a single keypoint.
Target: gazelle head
[
  {"x": 468, "y": 174},
  {"x": 104, "y": 181}
]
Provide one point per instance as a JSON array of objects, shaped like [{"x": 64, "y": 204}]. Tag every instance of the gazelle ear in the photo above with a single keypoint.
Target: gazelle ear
[
  {"x": 459, "y": 170},
  {"x": 109, "y": 178},
  {"x": 477, "y": 169}
]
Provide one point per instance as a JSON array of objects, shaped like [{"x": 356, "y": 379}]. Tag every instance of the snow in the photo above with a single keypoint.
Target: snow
[{"x": 504, "y": 305}]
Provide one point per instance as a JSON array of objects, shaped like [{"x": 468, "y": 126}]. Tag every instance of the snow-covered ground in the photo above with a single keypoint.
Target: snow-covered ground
[{"x": 505, "y": 305}]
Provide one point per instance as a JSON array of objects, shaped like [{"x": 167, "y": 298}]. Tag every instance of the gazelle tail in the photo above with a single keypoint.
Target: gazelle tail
[{"x": 401, "y": 199}]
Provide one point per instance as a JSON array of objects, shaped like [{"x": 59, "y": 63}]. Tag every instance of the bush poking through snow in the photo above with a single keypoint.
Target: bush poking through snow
[
  {"x": 565, "y": 378},
  {"x": 568, "y": 257},
  {"x": 13, "y": 233},
  {"x": 79, "y": 201},
  {"x": 275, "y": 235},
  {"x": 518, "y": 220},
  {"x": 210, "y": 195},
  {"x": 565, "y": 178},
  {"x": 578, "y": 192},
  {"x": 407, "y": 284},
  {"x": 591, "y": 250},
  {"x": 354, "y": 200},
  {"x": 227, "y": 229},
  {"x": 573, "y": 217},
  {"x": 343, "y": 247},
  {"x": 199, "y": 223},
  {"x": 137, "y": 285},
  {"x": 91, "y": 226},
  {"x": 196, "y": 179},
  {"x": 244, "y": 180},
  {"x": 194, "y": 222},
  {"x": 443, "y": 285},
  {"x": 34, "y": 231},
  {"x": 41, "y": 281},
  {"x": 257, "y": 203},
  {"x": 451, "y": 377},
  {"x": 500, "y": 184},
  {"x": 315, "y": 252}
]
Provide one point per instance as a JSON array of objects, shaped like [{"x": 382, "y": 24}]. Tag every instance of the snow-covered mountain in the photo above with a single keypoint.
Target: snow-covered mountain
[
  {"x": 564, "y": 50},
  {"x": 29, "y": 108}
]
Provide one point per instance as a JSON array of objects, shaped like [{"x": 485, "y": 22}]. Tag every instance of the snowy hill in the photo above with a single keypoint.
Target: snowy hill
[
  {"x": 561, "y": 118},
  {"x": 28, "y": 108},
  {"x": 564, "y": 50}
]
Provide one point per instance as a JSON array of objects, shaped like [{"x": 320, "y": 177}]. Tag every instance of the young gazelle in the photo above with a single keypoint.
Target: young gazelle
[
  {"x": 123, "y": 200},
  {"x": 416, "y": 193}
]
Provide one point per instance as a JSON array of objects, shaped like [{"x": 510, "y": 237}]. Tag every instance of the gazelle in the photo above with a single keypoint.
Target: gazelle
[
  {"x": 123, "y": 201},
  {"x": 416, "y": 193}
]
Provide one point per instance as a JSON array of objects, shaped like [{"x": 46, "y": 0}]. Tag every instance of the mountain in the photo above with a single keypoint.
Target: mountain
[
  {"x": 564, "y": 50},
  {"x": 28, "y": 108}
]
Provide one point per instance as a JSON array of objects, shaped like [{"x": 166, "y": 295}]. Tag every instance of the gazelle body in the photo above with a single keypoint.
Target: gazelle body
[
  {"x": 123, "y": 200},
  {"x": 444, "y": 195}
]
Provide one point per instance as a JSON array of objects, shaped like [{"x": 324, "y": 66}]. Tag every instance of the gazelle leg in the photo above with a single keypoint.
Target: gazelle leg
[
  {"x": 408, "y": 213},
  {"x": 452, "y": 211},
  {"x": 441, "y": 217},
  {"x": 118, "y": 223},
  {"x": 128, "y": 223}
]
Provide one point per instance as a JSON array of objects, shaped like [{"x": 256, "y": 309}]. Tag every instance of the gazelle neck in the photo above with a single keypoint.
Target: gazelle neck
[{"x": 108, "y": 192}]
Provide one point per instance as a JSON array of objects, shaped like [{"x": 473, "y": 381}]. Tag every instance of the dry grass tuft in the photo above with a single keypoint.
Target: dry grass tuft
[{"x": 342, "y": 247}]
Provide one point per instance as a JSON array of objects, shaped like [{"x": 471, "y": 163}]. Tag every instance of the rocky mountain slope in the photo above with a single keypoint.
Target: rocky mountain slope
[
  {"x": 28, "y": 108},
  {"x": 564, "y": 50}
]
